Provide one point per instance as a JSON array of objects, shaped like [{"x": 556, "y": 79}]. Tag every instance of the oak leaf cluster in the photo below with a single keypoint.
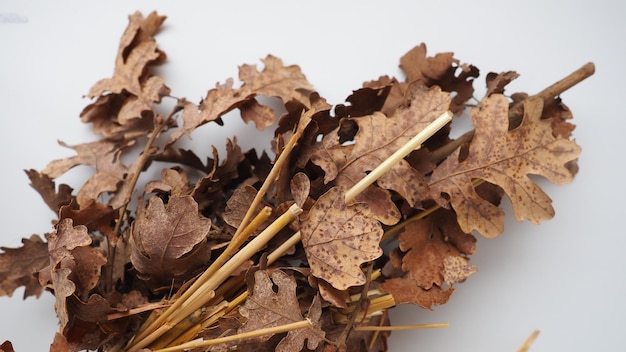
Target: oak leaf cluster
[{"x": 123, "y": 249}]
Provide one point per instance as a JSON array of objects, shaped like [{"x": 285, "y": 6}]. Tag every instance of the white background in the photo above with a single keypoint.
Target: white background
[{"x": 564, "y": 277}]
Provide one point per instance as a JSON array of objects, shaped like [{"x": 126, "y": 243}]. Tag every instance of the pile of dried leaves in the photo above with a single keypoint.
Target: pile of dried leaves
[{"x": 257, "y": 253}]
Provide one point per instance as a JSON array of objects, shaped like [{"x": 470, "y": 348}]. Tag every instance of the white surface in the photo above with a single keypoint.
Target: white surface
[{"x": 563, "y": 277}]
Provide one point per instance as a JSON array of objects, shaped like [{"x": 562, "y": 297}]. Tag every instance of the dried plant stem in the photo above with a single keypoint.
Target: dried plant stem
[
  {"x": 260, "y": 332},
  {"x": 529, "y": 341},
  {"x": 515, "y": 111},
  {"x": 401, "y": 327},
  {"x": 273, "y": 174},
  {"x": 413, "y": 144}
]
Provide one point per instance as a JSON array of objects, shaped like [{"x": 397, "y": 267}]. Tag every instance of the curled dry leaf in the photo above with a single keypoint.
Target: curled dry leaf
[{"x": 169, "y": 240}]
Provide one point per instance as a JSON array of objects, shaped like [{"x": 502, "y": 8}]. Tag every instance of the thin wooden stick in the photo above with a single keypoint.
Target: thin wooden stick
[
  {"x": 401, "y": 327},
  {"x": 260, "y": 332},
  {"x": 413, "y": 144},
  {"x": 529, "y": 341}
]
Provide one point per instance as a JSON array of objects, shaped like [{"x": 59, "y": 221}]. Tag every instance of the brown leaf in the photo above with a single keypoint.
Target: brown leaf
[
  {"x": 60, "y": 344},
  {"x": 45, "y": 186},
  {"x": 338, "y": 238},
  {"x": 266, "y": 308},
  {"x": 504, "y": 158},
  {"x": 96, "y": 216},
  {"x": 123, "y": 108},
  {"x": 442, "y": 70},
  {"x": 6, "y": 346},
  {"x": 377, "y": 138},
  {"x": 295, "y": 339},
  {"x": 497, "y": 81},
  {"x": 426, "y": 246},
  {"x": 238, "y": 204},
  {"x": 300, "y": 188},
  {"x": 169, "y": 241},
  {"x": 59, "y": 275},
  {"x": 104, "y": 156},
  {"x": 174, "y": 181},
  {"x": 407, "y": 290},
  {"x": 275, "y": 80},
  {"x": 263, "y": 116},
  {"x": 134, "y": 54},
  {"x": 19, "y": 267},
  {"x": 87, "y": 272}
]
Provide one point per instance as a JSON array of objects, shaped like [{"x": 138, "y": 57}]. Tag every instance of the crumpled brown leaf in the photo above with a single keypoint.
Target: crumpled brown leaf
[
  {"x": 504, "y": 158},
  {"x": 169, "y": 240},
  {"x": 74, "y": 266},
  {"x": 435, "y": 253},
  {"x": 338, "y": 238},
  {"x": 137, "y": 50}
]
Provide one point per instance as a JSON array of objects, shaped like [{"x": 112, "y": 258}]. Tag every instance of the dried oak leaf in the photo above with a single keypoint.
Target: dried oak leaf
[
  {"x": 407, "y": 290},
  {"x": 169, "y": 241},
  {"x": 378, "y": 137},
  {"x": 174, "y": 181},
  {"x": 96, "y": 216},
  {"x": 275, "y": 80},
  {"x": 504, "y": 158},
  {"x": 60, "y": 276},
  {"x": 338, "y": 238},
  {"x": 19, "y": 267},
  {"x": 266, "y": 308},
  {"x": 431, "y": 258},
  {"x": 45, "y": 186},
  {"x": 442, "y": 70},
  {"x": 137, "y": 50},
  {"x": 426, "y": 245},
  {"x": 104, "y": 156}
]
